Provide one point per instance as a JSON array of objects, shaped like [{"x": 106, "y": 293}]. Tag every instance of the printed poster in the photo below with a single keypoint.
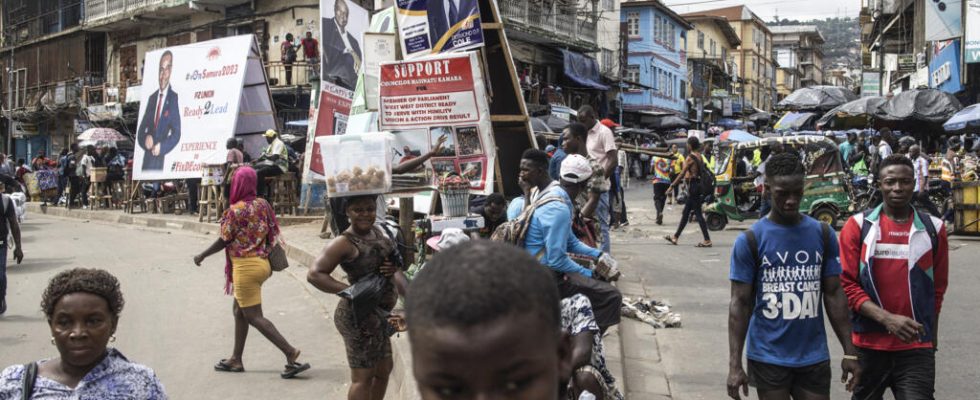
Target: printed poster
[
  {"x": 189, "y": 106},
  {"x": 441, "y": 97},
  {"x": 331, "y": 119},
  {"x": 438, "y": 26},
  {"x": 971, "y": 50},
  {"x": 342, "y": 25}
]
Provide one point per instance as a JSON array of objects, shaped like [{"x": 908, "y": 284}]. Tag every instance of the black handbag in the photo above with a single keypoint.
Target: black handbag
[
  {"x": 365, "y": 295},
  {"x": 27, "y": 384}
]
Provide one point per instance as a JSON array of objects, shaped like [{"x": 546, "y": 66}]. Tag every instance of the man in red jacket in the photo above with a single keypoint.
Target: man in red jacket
[{"x": 895, "y": 269}]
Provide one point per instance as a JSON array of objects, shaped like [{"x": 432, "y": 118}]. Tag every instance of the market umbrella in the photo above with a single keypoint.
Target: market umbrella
[
  {"x": 760, "y": 116},
  {"x": 737, "y": 135},
  {"x": 926, "y": 105},
  {"x": 816, "y": 98},
  {"x": 671, "y": 122},
  {"x": 729, "y": 123},
  {"x": 538, "y": 124},
  {"x": 555, "y": 123},
  {"x": 795, "y": 121},
  {"x": 967, "y": 117},
  {"x": 853, "y": 114},
  {"x": 101, "y": 135}
]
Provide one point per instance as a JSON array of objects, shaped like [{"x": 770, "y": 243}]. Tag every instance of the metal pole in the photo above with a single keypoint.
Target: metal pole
[{"x": 10, "y": 99}]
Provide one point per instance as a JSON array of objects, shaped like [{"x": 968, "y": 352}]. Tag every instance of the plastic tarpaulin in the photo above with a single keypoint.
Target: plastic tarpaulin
[
  {"x": 817, "y": 98},
  {"x": 583, "y": 70},
  {"x": 929, "y": 105},
  {"x": 864, "y": 106},
  {"x": 794, "y": 120}
]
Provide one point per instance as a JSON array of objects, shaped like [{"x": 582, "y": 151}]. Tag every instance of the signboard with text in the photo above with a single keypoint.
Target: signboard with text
[
  {"x": 193, "y": 99},
  {"x": 438, "y": 26},
  {"x": 971, "y": 50},
  {"x": 443, "y": 97},
  {"x": 944, "y": 69}
]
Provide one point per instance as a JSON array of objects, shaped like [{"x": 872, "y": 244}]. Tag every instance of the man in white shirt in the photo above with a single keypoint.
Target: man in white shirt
[
  {"x": 601, "y": 144},
  {"x": 921, "y": 172}
]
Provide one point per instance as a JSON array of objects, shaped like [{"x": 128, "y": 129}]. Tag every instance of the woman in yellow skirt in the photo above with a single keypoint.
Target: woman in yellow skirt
[{"x": 248, "y": 233}]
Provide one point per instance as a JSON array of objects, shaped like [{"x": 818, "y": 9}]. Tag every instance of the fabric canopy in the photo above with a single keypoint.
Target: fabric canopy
[
  {"x": 928, "y": 105},
  {"x": 817, "y": 98},
  {"x": 967, "y": 117},
  {"x": 583, "y": 70}
]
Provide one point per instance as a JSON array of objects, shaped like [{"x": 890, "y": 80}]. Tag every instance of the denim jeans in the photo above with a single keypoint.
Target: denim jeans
[{"x": 602, "y": 214}]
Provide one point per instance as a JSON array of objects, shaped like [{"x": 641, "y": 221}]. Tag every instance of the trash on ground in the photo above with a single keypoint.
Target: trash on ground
[{"x": 655, "y": 313}]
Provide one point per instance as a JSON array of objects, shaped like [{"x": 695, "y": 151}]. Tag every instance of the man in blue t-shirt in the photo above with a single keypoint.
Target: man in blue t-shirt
[{"x": 777, "y": 288}]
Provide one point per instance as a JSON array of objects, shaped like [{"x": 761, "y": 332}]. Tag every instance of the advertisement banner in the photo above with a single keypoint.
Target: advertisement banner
[
  {"x": 944, "y": 19},
  {"x": 189, "y": 107},
  {"x": 944, "y": 69},
  {"x": 972, "y": 34},
  {"x": 438, "y": 26},
  {"x": 443, "y": 99},
  {"x": 331, "y": 119},
  {"x": 342, "y": 25}
]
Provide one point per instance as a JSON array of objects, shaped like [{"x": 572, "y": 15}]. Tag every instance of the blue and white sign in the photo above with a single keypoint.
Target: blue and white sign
[
  {"x": 944, "y": 69},
  {"x": 944, "y": 19}
]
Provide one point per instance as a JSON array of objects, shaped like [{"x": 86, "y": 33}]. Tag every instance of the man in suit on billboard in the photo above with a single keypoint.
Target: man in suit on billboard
[
  {"x": 341, "y": 51},
  {"x": 159, "y": 130},
  {"x": 444, "y": 14}
]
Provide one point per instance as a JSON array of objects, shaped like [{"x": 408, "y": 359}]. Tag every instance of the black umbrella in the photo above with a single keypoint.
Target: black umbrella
[
  {"x": 538, "y": 124},
  {"x": 817, "y": 98},
  {"x": 926, "y": 105},
  {"x": 670, "y": 122},
  {"x": 852, "y": 113},
  {"x": 760, "y": 116}
]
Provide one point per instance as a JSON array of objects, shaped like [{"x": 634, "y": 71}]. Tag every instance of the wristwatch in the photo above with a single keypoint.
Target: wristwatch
[{"x": 850, "y": 357}]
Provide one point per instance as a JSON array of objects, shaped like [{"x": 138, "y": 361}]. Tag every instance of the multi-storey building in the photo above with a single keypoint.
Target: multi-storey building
[
  {"x": 710, "y": 64},
  {"x": 755, "y": 64},
  {"x": 657, "y": 58},
  {"x": 799, "y": 53}
]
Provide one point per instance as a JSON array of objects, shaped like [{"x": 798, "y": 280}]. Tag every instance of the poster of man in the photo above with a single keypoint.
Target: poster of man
[
  {"x": 468, "y": 141},
  {"x": 159, "y": 129},
  {"x": 448, "y": 149},
  {"x": 438, "y": 26},
  {"x": 342, "y": 26},
  {"x": 472, "y": 170},
  {"x": 408, "y": 145}
]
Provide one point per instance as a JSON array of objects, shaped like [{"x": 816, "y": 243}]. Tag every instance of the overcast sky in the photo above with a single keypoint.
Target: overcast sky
[{"x": 765, "y": 9}]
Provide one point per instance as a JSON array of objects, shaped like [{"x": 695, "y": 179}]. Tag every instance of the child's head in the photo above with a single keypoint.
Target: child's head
[{"x": 484, "y": 320}]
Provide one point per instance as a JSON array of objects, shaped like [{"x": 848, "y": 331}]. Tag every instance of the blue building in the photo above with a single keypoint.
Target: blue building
[{"x": 656, "y": 70}]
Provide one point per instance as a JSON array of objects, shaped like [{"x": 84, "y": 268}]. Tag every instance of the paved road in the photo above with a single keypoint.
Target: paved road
[
  {"x": 696, "y": 283},
  {"x": 176, "y": 319}
]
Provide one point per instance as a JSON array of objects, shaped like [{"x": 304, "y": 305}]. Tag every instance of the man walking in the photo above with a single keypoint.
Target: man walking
[
  {"x": 8, "y": 227},
  {"x": 661, "y": 183},
  {"x": 895, "y": 272},
  {"x": 601, "y": 145},
  {"x": 549, "y": 233},
  {"x": 920, "y": 167},
  {"x": 575, "y": 139},
  {"x": 781, "y": 269}
]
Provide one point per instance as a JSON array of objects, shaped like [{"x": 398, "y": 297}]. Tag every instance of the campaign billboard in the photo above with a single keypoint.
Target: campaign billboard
[
  {"x": 342, "y": 25},
  {"x": 438, "y": 26},
  {"x": 441, "y": 98},
  {"x": 971, "y": 48},
  {"x": 191, "y": 100}
]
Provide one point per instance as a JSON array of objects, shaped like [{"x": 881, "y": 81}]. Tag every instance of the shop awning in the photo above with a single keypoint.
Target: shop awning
[{"x": 582, "y": 70}]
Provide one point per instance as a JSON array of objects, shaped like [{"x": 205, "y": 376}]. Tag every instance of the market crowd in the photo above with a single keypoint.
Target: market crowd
[{"x": 518, "y": 309}]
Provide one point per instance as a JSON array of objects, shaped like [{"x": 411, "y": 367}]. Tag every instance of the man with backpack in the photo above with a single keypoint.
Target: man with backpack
[
  {"x": 782, "y": 268},
  {"x": 8, "y": 227},
  {"x": 895, "y": 272},
  {"x": 544, "y": 229}
]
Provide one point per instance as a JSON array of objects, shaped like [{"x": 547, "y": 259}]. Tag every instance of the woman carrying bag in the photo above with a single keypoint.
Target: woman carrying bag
[
  {"x": 249, "y": 234},
  {"x": 366, "y": 252}
]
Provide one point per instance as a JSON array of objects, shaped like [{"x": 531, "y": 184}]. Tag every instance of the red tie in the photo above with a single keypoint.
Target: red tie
[{"x": 156, "y": 120}]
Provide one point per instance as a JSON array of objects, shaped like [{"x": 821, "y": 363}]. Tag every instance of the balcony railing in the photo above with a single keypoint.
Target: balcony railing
[
  {"x": 558, "y": 21},
  {"x": 101, "y": 9},
  {"x": 301, "y": 73}
]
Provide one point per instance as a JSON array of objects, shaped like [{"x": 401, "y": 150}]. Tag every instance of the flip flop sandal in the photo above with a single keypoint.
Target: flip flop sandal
[
  {"x": 671, "y": 240},
  {"x": 224, "y": 366},
  {"x": 703, "y": 244},
  {"x": 294, "y": 369}
]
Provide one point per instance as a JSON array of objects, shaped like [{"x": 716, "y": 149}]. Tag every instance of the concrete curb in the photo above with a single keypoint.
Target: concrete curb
[
  {"x": 401, "y": 383},
  {"x": 643, "y": 375}
]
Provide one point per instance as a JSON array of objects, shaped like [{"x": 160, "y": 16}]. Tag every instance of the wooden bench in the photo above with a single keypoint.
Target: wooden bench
[{"x": 283, "y": 193}]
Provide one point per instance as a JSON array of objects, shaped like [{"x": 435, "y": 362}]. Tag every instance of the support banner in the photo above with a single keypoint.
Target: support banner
[{"x": 441, "y": 97}]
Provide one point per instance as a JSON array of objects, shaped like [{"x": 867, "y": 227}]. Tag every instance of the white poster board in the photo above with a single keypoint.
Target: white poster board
[
  {"x": 971, "y": 39},
  {"x": 430, "y": 27},
  {"x": 442, "y": 96},
  {"x": 193, "y": 99}
]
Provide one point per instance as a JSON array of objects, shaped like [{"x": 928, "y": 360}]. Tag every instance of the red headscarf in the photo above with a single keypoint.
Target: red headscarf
[{"x": 243, "y": 185}]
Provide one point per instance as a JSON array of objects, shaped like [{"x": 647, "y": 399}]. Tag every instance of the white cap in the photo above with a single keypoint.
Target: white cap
[
  {"x": 575, "y": 169},
  {"x": 449, "y": 238}
]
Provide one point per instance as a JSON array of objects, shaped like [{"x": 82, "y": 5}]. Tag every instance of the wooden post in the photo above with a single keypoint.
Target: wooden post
[{"x": 406, "y": 220}]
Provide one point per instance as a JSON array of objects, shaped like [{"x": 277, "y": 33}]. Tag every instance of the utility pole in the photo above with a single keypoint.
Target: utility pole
[{"x": 10, "y": 93}]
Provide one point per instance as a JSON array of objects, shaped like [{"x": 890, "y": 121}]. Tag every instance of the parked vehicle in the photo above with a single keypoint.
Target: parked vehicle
[{"x": 827, "y": 188}]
